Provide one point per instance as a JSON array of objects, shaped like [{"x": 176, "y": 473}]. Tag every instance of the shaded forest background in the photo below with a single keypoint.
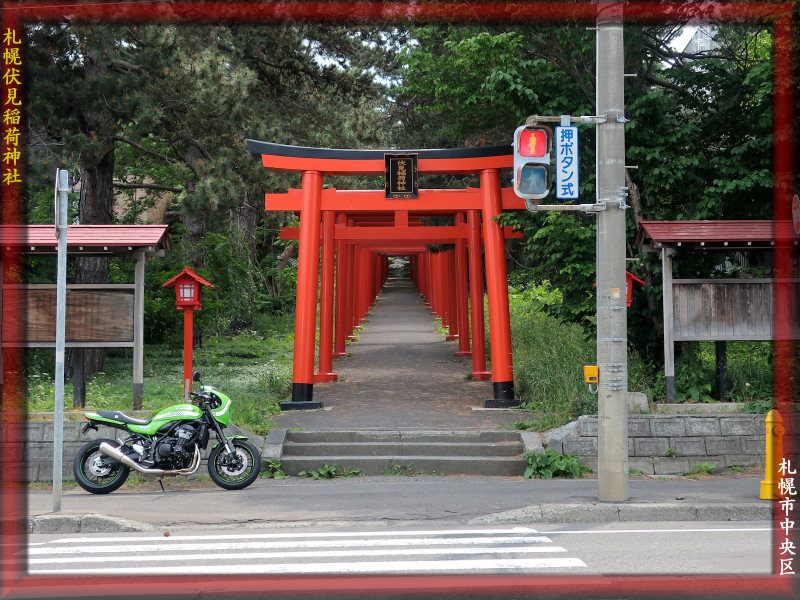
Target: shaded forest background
[{"x": 151, "y": 122}]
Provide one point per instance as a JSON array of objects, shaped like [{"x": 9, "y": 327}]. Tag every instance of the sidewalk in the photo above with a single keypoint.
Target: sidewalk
[
  {"x": 402, "y": 375},
  {"x": 393, "y": 501}
]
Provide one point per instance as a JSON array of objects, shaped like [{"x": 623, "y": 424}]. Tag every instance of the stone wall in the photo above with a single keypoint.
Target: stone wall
[
  {"x": 674, "y": 444},
  {"x": 657, "y": 444}
]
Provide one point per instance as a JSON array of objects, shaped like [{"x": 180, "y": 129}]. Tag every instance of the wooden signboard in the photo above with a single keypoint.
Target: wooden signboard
[
  {"x": 97, "y": 316},
  {"x": 726, "y": 309}
]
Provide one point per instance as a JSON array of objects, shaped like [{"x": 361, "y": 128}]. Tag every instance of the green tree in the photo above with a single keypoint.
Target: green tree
[
  {"x": 700, "y": 132},
  {"x": 166, "y": 109}
]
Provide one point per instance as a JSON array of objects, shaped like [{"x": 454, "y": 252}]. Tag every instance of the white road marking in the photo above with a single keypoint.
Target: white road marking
[
  {"x": 708, "y": 530},
  {"x": 358, "y": 552},
  {"x": 292, "y": 535},
  {"x": 338, "y": 568},
  {"x": 233, "y": 546},
  {"x": 305, "y": 554}
]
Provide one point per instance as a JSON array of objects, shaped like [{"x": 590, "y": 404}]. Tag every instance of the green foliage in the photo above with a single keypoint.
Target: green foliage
[
  {"x": 549, "y": 464},
  {"x": 256, "y": 372},
  {"x": 328, "y": 472},
  {"x": 272, "y": 468},
  {"x": 559, "y": 249},
  {"x": 758, "y": 407},
  {"x": 749, "y": 371},
  {"x": 703, "y": 468},
  {"x": 404, "y": 470},
  {"x": 548, "y": 360},
  {"x": 164, "y": 111},
  {"x": 671, "y": 452}
]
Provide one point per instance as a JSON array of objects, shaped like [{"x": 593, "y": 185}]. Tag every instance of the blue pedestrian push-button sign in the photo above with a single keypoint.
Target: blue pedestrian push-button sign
[{"x": 567, "y": 163}]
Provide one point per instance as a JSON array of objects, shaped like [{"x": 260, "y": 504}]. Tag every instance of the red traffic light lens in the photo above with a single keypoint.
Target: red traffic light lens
[{"x": 532, "y": 142}]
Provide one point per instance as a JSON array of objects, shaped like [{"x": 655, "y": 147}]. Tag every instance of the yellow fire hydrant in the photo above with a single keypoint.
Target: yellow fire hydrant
[{"x": 774, "y": 454}]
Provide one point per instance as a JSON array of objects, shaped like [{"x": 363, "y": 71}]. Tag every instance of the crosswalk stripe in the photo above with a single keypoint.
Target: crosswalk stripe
[
  {"x": 307, "y": 554},
  {"x": 304, "y": 534},
  {"x": 339, "y": 568},
  {"x": 289, "y": 545}
]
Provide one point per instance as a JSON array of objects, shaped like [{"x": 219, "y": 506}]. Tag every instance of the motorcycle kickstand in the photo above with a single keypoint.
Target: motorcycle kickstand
[{"x": 161, "y": 483}]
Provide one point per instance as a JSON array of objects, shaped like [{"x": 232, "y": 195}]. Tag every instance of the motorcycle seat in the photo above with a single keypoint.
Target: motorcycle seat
[{"x": 122, "y": 417}]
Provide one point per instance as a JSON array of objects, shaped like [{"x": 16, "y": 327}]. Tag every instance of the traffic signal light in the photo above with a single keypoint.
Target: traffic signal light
[{"x": 532, "y": 172}]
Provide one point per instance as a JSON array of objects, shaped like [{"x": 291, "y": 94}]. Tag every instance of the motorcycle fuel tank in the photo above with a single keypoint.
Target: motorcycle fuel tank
[{"x": 177, "y": 412}]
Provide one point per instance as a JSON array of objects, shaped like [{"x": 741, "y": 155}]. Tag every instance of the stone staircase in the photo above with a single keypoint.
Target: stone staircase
[{"x": 405, "y": 452}]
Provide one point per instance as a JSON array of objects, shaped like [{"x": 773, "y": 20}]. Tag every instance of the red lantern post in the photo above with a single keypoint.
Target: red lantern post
[{"x": 187, "y": 298}]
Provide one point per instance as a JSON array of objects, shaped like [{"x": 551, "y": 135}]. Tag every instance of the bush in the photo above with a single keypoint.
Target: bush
[
  {"x": 255, "y": 372},
  {"x": 549, "y": 464}
]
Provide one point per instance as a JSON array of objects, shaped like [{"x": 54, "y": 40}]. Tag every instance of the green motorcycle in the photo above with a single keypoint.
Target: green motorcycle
[{"x": 169, "y": 443}]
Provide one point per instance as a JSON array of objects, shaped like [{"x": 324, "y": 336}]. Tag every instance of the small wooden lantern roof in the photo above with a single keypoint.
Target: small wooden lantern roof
[{"x": 186, "y": 273}]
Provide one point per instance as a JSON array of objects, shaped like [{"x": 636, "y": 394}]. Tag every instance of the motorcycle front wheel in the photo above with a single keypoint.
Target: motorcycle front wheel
[
  {"x": 234, "y": 471},
  {"x": 97, "y": 473}
]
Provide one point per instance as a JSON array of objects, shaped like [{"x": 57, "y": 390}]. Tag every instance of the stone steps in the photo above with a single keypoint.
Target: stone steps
[{"x": 496, "y": 453}]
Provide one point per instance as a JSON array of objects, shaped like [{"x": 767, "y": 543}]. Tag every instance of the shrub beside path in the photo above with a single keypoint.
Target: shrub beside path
[{"x": 402, "y": 375}]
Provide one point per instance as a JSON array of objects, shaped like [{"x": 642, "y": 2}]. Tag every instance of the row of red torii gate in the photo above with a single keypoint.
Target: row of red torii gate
[{"x": 357, "y": 230}]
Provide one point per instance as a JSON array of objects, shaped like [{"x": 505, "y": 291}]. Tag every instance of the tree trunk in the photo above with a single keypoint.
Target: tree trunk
[
  {"x": 96, "y": 197},
  {"x": 193, "y": 219}
]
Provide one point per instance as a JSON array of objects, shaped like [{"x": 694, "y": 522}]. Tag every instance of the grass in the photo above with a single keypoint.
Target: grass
[
  {"x": 253, "y": 369},
  {"x": 548, "y": 366},
  {"x": 703, "y": 469}
]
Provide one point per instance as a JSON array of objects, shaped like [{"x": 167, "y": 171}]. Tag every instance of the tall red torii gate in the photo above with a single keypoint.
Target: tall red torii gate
[{"x": 331, "y": 216}]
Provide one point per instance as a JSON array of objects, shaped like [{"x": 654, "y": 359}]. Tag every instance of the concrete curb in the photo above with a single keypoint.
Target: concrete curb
[
  {"x": 599, "y": 512},
  {"x": 610, "y": 512},
  {"x": 89, "y": 523}
]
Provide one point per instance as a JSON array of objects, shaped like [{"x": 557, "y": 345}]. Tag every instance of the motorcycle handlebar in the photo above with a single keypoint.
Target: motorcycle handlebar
[{"x": 199, "y": 396}]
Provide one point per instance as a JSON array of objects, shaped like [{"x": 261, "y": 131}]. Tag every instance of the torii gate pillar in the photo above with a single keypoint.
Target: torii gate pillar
[
  {"x": 497, "y": 292},
  {"x": 305, "y": 323}
]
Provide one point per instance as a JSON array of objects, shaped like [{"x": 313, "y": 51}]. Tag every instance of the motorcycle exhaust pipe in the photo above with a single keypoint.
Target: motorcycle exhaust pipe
[{"x": 119, "y": 456}]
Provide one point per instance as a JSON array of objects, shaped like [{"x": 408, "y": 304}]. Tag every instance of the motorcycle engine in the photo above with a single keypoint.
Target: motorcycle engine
[{"x": 175, "y": 450}]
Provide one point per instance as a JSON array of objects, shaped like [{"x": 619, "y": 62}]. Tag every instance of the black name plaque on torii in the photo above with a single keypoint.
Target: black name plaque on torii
[{"x": 401, "y": 175}]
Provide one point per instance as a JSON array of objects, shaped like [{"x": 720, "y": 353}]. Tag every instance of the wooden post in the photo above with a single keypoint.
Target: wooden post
[
  {"x": 721, "y": 368},
  {"x": 306, "y": 312},
  {"x": 669, "y": 344},
  {"x": 78, "y": 379},
  {"x": 497, "y": 290},
  {"x": 188, "y": 338}
]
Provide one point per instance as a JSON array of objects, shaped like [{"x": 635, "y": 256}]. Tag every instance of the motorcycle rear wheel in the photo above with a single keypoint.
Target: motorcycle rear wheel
[
  {"x": 94, "y": 476},
  {"x": 238, "y": 472}
]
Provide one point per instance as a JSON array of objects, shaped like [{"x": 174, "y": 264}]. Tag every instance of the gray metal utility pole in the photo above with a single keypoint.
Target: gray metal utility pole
[
  {"x": 612, "y": 356},
  {"x": 62, "y": 187}
]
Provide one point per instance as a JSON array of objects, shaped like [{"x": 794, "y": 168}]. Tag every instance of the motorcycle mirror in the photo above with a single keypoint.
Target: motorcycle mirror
[{"x": 196, "y": 376}]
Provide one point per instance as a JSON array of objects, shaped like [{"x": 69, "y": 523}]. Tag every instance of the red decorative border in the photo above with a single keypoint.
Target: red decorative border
[{"x": 779, "y": 14}]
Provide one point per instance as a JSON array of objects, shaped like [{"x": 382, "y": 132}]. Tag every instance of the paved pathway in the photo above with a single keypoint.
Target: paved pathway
[{"x": 402, "y": 374}]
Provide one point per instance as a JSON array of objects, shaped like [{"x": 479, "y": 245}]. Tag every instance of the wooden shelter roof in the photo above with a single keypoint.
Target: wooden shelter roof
[
  {"x": 86, "y": 239},
  {"x": 742, "y": 234}
]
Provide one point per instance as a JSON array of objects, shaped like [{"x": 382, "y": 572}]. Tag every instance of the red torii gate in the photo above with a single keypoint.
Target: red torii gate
[{"x": 341, "y": 213}]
